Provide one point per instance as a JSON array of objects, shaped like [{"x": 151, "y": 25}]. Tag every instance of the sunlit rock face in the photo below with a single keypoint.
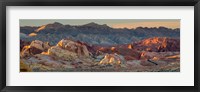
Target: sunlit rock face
[
  {"x": 40, "y": 45},
  {"x": 107, "y": 50},
  {"x": 69, "y": 50},
  {"x": 158, "y": 44},
  {"x": 32, "y": 34},
  {"x": 35, "y": 47},
  {"x": 48, "y": 27},
  {"x": 73, "y": 46},
  {"x": 60, "y": 53},
  {"x": 23, "y": 43},
  {"x": 112, "y": 59}
]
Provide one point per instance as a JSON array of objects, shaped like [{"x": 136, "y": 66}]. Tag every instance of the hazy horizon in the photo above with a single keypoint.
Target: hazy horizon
[{"x": 115, "y": 23}]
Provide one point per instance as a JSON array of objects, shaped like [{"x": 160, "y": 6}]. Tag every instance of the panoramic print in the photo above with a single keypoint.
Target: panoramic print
[{"x": 99, "y": 45}]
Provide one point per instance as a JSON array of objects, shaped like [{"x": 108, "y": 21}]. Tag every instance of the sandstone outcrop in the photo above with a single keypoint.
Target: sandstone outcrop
[
  {"x": 158, "y": 44},
  {"x": 112, "y": 59},
  {"x": 74, "y": 46},
  {"x": 35, "y": 47},
  {"x": 60, "y": 53}
]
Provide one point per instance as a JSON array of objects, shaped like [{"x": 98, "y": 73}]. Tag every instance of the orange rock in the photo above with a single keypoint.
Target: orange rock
[
  {"x": 36, "y": 47},
  {"x": 73, "y": 46}
]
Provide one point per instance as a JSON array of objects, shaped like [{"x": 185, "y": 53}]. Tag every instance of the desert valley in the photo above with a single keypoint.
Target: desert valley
[{"x": 94, "y": 47}]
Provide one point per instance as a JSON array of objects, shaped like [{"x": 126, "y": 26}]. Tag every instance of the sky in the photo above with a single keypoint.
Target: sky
[{"x": 115, "y": 23}]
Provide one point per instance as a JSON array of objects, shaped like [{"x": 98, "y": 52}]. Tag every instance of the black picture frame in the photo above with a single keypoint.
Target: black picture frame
[{"x": 4, "y": 3}]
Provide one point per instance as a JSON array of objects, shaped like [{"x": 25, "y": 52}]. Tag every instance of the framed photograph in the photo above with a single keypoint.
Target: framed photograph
[{"x": 87, "y": 45}]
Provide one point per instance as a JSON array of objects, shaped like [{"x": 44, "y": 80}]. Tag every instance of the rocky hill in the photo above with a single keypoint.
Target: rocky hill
[
  {"x": 27, "y": 29},
  {"x": 93, "y": 47},
  {"x": 71, "y": 55},
  {"x": 158, "y": 44}
]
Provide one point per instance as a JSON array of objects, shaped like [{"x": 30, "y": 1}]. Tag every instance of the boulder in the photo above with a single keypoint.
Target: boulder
[
  {"x": 63, "y": 54},
  {"x": 74, "y": 46},
  {"x": 112, "y": 59},
  {"x": 35, "y": 47},
  {"x": 40, "y": 45}
]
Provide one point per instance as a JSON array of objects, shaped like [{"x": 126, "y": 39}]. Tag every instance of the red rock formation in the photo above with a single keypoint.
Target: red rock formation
[
  {"x": 126, "y": 50},
  {"x": 158, "y": 44}
]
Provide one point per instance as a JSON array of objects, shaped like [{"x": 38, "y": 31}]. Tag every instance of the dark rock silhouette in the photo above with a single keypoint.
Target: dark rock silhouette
[{"x": 152, "y": 62}]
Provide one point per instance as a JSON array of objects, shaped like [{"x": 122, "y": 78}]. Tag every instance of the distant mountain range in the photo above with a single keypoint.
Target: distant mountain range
[{"x": 93, "y": 33}]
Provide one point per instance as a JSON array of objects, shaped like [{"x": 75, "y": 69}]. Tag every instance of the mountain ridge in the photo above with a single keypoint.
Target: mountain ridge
[
  {"x": 96, "y": 24},
  {"x": 94, "y": 33}
]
